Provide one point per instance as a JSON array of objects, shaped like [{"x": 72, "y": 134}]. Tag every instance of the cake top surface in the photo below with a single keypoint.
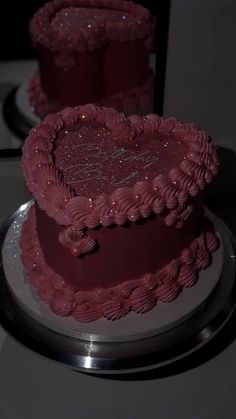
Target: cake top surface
[
  {"x": 88, "y": 24},
  {"x": 89, "y": 166},
  {"x": 92, "y": 160}
]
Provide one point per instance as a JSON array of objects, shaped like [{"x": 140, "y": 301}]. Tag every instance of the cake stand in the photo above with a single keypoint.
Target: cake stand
[{"x": 165, "y": 337}]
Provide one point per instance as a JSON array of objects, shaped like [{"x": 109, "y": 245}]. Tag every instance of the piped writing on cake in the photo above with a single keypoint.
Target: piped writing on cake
[{"x": 83, "y": 162}]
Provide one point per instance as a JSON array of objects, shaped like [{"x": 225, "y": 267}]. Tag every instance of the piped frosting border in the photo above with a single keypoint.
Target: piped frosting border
[
  {"x": 139, "y": 295},
  {"x": 166, "y": 195},
  {"x": 97, "y": 35}
]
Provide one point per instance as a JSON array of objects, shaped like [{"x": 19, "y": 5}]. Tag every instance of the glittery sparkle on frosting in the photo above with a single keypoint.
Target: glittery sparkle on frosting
[
  {"x": 165, "y": 194},
  {"x": 139, "y": 295},
  {"x": 101, "y": 21}
]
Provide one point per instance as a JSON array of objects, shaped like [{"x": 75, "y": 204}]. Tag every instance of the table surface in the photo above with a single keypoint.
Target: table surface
[{"x": 33, "y": 387}]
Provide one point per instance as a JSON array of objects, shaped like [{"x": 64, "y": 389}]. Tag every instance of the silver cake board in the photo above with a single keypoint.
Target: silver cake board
[{"x": 160, "y": 337}]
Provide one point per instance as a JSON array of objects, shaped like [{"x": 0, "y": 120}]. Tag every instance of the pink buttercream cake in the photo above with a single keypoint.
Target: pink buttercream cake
[
  {"x": 92, "y": 51},
  {"x": 117, "y": 223}
]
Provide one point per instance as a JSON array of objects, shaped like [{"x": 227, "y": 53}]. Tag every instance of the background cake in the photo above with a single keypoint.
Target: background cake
[
  {"x": 92, "y": 51},
  {"x": 118, "y": 222}
]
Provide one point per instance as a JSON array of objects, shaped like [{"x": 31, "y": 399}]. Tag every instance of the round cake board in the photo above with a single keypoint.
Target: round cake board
[{"x": 163, "y": 317}]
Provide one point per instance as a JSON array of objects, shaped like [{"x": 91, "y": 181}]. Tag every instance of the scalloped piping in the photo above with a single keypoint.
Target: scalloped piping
[
  {"x": 137, "y": 98},
  {"x": 167, "y": 195},
  {"x": 139, "y": 295},
  {"x": 43, "y": 33}
]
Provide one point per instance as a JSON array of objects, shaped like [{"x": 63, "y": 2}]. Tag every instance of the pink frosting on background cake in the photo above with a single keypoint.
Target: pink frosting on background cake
[
  {"x": 92, "y": 51},
  {"x": 117, "y": 224}
]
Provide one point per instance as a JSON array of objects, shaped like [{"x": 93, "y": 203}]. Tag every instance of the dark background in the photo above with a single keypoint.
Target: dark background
[{"x": 15, "y": 17}]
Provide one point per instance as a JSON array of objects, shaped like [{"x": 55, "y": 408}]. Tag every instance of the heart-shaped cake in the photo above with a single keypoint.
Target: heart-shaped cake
[
  {"x": 117, "y": 222},
  {"x": 92, "y": 51}
]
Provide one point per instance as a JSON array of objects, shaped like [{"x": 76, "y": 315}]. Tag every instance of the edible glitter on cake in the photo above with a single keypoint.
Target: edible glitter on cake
[
  {"x": 91, "y": 162},
  {"x": 67, "y": 20}
]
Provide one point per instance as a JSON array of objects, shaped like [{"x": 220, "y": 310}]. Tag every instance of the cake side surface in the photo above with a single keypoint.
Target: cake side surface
[
  {"x": 139, "y": 295},
  {"x": 121, "y": 253},
  {"x": 138, "y": 99}
]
